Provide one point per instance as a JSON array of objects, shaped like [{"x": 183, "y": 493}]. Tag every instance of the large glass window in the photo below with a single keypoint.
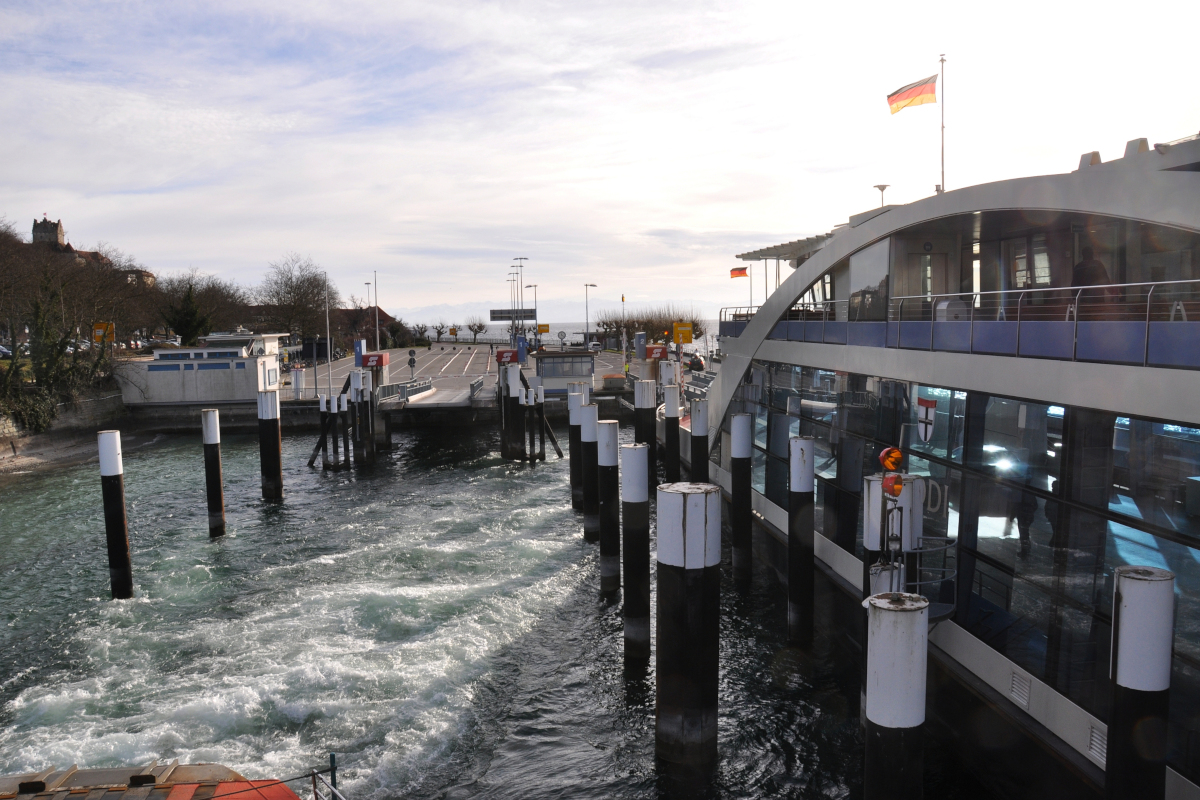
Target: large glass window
[
  {"x": 935, "y": 422},
  {"x": 869, "y": 282}
]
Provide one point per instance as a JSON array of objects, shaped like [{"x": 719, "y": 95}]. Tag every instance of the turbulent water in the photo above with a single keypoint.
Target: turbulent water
[{"x": 434, "y": 622}]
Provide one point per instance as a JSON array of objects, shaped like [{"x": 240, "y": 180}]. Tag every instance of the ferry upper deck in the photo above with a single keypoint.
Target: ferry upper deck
[{"x": 1052, "y": 323}]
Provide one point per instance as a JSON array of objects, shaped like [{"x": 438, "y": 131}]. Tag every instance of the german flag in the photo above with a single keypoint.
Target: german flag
[
  {"x": 739, "y": 272},
  {"x": 915, "y": 94}
]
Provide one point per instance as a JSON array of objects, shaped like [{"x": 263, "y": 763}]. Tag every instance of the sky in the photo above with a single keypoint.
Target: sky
[{"x": 636, "y": 146}]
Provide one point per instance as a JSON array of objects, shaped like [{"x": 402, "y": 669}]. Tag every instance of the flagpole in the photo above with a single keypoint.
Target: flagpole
[{"x": 943, "y": 105}]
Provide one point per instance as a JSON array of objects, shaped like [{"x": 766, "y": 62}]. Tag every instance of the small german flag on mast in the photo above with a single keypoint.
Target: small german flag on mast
[
  {"x": 915, "y": 94},
  {"x": 739, "y": 272}
]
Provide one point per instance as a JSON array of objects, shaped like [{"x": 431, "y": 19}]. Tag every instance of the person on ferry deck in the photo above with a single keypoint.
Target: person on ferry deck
[{"x": 1091, "y": 272}]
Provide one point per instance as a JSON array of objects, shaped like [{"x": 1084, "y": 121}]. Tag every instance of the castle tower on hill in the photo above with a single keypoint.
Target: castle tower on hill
[{"x": 47, "y": 231}]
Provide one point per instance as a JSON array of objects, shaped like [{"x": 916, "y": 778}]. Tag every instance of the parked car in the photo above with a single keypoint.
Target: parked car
[
  {"x": 5, "y": 352},
  {"x": 696, "y": 363},
  {"x": 595, "y": 347}
]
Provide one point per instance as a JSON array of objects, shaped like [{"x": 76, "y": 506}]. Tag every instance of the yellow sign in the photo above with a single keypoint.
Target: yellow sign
[
  {"x": 683, "y": 333},
  {"x": 104, "y": 332},
  {"x": 544, "y": 328},
  {"x": 454, "y": 331}
]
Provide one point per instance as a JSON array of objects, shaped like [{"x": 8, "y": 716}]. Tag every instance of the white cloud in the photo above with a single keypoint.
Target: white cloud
[{"x": 631, "y": 145}]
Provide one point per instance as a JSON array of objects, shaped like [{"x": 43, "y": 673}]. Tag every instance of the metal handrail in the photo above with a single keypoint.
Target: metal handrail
[
  {"x": 332, "y": 793},
  {"x": 476, "y": 386}
]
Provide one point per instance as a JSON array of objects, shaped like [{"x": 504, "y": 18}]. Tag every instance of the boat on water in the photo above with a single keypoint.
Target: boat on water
[
  {"x": 155, "y": 781},
  {"x": 1032, "y": 345}
]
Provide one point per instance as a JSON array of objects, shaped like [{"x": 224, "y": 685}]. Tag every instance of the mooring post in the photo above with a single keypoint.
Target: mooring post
[
  {"x": 1140, "y": 668},
  {"x": 575, "y": 448},
  {"x": 741, "y": 447},
  {"x": 334, "y": 429},
  {"x": 116, "y": 523},
  {"x": 699, "y": 436},
  {"x": 367, "y": 416},
  {"x": 324, "y": 404},
  {"x": 531, "y": 424},
  {"x": 643, "y": 426},
  {"x": 270, "y": 446},
  {"x": 541, "y": 422},
  {"x": 610, "y": 507},
  {"x": 671, "y": 433},
  {"x": 355, "y": 408},
  {"x": 689, "y": 610},
  {"x": 516, "y": 414},
  {"x": 210, "y": 429},
  {"x": 589, "y": 448},
  {"x": 801, "y": 580},
  {"x": 897, "y": 651},
  {"x": 635, "y": 547},
  {"x": 297, "y": 384},
  {"x": 344, "y": 400}
]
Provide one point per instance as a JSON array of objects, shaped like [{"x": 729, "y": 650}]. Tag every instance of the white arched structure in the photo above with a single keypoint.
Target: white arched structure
[{"x": 1159, "y": 186}]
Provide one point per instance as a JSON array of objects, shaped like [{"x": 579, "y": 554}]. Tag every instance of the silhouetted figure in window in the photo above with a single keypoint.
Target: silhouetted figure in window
[{"x": 1091, "y": 272}]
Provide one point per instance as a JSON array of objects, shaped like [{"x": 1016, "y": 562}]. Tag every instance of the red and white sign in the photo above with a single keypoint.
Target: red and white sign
[
  {"x": 656, "y": 351},
  {"x": 506, "y": 356},
  {"x": 374, "y": 360},
  {"x": 926, "y": 414}
]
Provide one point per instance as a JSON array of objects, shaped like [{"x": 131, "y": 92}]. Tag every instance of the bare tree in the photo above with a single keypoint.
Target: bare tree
[
  {"x": 476, "y": 326},
  {"x": 225, "y": 304},
  {"x": 439, "y": 328},
  {"x": 292, "y": 296}
]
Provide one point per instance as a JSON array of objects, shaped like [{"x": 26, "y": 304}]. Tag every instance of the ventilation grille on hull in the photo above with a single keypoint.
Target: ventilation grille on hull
[
  {"x": 1098, "y": 744},
  {"x": 1019, "y": 689}
]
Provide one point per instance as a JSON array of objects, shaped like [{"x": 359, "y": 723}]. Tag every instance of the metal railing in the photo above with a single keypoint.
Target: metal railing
[
  {"x": 476, "y": 387},
  {"x": 330, "y": 791},
  {"x": 404, "y": 390}
]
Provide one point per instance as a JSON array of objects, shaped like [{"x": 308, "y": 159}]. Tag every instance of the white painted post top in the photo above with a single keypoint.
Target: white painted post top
[
  {"x": 268, "y": 405},
  {"x": 514, "y": 380},
  {"x": 802, "y": 452},
  {"x": 324, "y": 406},
  {"x": 671, "y": 401},
  {"x": 343, "y": 400},
  {"x": 741, "y": 436},
  {"x": 589, "y": 422},
  {"x": 606, "y": 441},
  {"x": 210, "y": 425},
  {"x": 1144, "y": 633},
  {"x": 644, "y": 394},
  {"x": 109, "y": 444},
  {"x": 897, "y": 652},
  {"x": 541, "y": 394},
  {"x": 699, "y": 418},
  {"x": 574, "y": 403},
  {"x": 689, "y": 525},
  {"x": 634, "y": 487},
  {"x": 356, "y": 379}
]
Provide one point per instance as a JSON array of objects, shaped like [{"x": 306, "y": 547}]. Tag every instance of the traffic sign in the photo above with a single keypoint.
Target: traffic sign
[
  {"x": 561, "y": 334},
  {"x": 506, "y": 356},
  {"x": 544, "y": 328},
  {"x": 656, "y": 351},
  {"x": 412, "y": 353},
  {"x": 454, "y": 331},
  {"x": 412, "y": 362},
  {"x": 104, "y": 332},
  {"x": 683, "y": 333}
]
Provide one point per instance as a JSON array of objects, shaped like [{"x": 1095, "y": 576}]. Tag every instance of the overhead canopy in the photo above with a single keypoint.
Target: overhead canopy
[{"x": 796, "y": 252}]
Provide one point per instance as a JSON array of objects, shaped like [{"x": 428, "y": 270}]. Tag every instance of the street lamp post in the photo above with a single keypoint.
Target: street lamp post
[
  {"x": 512, "y": 324},
  {"x": 586, "y": 315},
  {"x": 376, "y": 311},
  {"x": 521, "y": 277},
  {"x": 537, "y": 328},
  {"x": 368, "y": 285}
]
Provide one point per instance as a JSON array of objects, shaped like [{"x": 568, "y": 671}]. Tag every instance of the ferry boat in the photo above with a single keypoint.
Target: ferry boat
[{"x": 1032, "y": 346}]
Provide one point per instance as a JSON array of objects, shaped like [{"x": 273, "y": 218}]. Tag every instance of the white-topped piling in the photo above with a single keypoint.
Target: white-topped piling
[
  {"x": 116, "y": 523},
  {"x": 644, "y": 404},
  {"x": 210, "y": 429},
  {"x": 1143, "y": 636},
  {"x": 699, "y": 437},
  {"x": 323, "y": 403},
  {"x": 741, "y": 447},
  {"x": 635, "y": 551},
  {"x": 671, "y": 453},
  {"x": 589, "y": 447},
  {"x": 688, "y": 638},
  {"x": 801, "y": 580},
  {"x": 270, "y": 446},
  {"x": 575, "y": 448},
  {"x": 897, "y": 654},
  {"x": 607, "y": 483}
]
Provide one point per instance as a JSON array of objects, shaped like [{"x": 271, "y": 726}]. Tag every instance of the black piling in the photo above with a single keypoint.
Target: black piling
[
  {"x": 801, "y": 581},
  {"x": 699, "y": 436},
  {"x": 897, "y": 654},
  {"x": 270, "y": 446},
  {"x": 643, "y": 426},
  {"x": 214, "y": 486},
  {"x": 541, "y": 422},
  {"x": 1143, "y": 635},
  {"x": 575, "y": 448},
  {"x": 116, "y": 523},
  {"x": 635, "y": 547},
  {"x": 741, "y": 446},
  {"x": 688, "y": 639},
  {"x": 588, "y": 433},
  {"x": 324, "y": 403},
  {"x": 609, "y": 490},
  {"x": 671, "y": 454}
]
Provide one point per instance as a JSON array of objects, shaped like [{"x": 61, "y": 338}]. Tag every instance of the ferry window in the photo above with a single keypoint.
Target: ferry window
[
  {"x": 868, "y": 282},
  {"x": 825, "y": 465},
  {"x": 1023, "y": 442},
  {"x": 1156, "y": 474},
  {"x": 935, "y": 422},
  {"x": 941, "y": 496},
  {"x": 1041, "y": 261},
  {"x": 1016, "y": 261}
]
